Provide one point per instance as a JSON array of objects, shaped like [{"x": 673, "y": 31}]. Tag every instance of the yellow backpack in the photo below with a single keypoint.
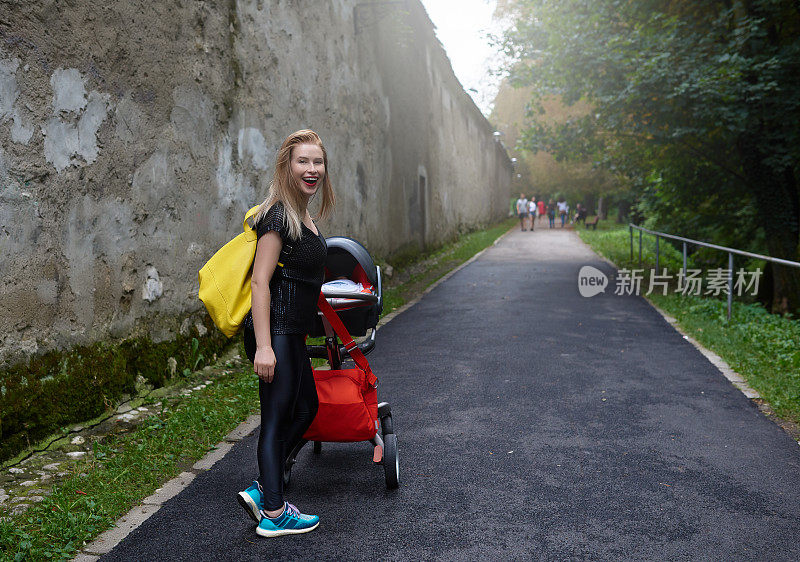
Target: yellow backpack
[{"x": 225, "y": 279}]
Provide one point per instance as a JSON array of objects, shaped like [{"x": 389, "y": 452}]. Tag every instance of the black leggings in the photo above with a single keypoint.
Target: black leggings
[{"x": 288, "y": 406}]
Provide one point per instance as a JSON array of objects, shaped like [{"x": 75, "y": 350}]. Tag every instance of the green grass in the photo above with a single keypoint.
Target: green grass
[
  {"x": 125, "y": 468},
  {"x": 612, "y": 241},
  {"x": 760, "y": 346},
  {"x": 128, "y": 467},
  {"x": 472, "y": 243}
]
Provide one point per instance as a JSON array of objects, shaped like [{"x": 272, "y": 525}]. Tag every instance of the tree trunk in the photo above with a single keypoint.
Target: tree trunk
[
  {"x": 776, "y": 190},
  {"x": 778, "y": 204},
  {"x": 765, "y": 287},
  {"x": 786, "y": 296},
  {"x": 624, "y": 210}
]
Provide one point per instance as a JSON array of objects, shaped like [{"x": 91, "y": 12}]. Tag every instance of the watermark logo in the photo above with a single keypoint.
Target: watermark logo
[
  {"x": 715, "y": 282},
  {"x": 591, "y": 281}
]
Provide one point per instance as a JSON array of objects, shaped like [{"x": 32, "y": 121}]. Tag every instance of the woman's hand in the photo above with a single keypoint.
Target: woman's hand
[{"x": 264, "y": 363}]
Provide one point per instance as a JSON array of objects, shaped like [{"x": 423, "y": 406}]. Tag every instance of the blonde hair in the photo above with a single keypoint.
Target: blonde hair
[{"x": 285, "y": 189}]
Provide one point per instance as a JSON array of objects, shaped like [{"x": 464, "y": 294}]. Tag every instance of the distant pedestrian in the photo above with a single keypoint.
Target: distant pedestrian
[
  {"x": 284, "y": 309},
  {"x": 522, "y": 210},
  {"x": 551, "y": 213},
  {"x": 532, "y": 210},
  {"x": 542, "y": 210},
  {"x": 580, "y": 214},
  {"x": 563, "y": 209}
]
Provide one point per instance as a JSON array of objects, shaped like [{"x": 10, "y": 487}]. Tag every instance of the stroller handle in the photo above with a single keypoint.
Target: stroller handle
[{"x": 320, "y": 352}]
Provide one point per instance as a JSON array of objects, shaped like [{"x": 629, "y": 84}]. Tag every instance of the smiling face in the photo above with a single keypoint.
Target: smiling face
[{"x": 307, "y": 166}]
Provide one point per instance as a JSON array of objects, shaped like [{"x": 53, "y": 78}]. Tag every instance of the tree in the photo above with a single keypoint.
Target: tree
[
  {"x": 540, "y": 173},
  {"x": 695, "y": 103}
]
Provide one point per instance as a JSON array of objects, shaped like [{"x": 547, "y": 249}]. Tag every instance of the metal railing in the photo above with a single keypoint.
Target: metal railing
[{"x": 685, "y": 241}]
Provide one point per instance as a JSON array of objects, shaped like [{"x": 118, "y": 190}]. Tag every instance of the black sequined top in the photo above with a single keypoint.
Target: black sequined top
[{"x": 294, "y": 287}]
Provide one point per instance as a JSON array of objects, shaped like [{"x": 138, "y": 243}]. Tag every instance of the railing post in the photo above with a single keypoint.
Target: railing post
[
  {"x": 730, "y": 283},
  {"x": 640, "y": 249},
  {"x": 684, "y": 260},
  {"x": 699, "y": 244},
  {"x": 630, "y": 231},
  {"x": 656, "y": 253}
]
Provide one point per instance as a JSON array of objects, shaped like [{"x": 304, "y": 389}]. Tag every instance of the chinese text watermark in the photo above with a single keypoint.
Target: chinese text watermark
[{"x": 715, "y": 282}]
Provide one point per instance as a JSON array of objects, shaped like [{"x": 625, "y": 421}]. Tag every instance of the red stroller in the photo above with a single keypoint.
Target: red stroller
[{"x": 350, "y": 304}]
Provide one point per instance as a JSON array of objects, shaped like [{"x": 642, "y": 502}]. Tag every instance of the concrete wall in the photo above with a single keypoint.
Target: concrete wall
[{"x": 134, "y": 135}]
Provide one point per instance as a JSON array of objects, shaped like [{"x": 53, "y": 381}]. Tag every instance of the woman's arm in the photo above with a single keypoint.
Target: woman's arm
[{"x": 268, "y": 250}]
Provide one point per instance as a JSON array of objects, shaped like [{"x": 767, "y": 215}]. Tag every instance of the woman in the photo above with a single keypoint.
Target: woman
[
  {"x": 532, "y": 212},
  {"x": 551, "y": 213},
  {"x": 541, "y": 209},
  {"x": 287, "y": 276}
]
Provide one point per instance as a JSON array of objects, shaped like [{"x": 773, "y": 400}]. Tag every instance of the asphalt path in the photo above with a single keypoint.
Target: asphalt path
[{"x": 533, "y": 423}]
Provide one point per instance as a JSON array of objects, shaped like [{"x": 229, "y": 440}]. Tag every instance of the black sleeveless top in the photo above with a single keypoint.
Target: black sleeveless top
[{"x": 295, "y": 287}]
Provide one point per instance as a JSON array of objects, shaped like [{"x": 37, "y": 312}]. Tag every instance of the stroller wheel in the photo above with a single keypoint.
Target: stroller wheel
[
  {"x": 317, "y": 447},
  {"x": 287, "y": 475},
  {"x": 391, "y": 463},
  {"x": 386, "y": 425}
]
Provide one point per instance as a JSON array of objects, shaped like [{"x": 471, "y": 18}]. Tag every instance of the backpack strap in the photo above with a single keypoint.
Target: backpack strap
[
  {"x": 249, "y": 226},
  {"x": 349, "y": 343},
  {"x": 286, "y": 251}
]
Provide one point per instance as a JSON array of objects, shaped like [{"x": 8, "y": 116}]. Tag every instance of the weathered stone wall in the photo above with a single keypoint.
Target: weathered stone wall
[{"x": 134, "y": 135}]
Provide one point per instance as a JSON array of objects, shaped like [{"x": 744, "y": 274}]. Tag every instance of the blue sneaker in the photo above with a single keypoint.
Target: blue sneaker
[
  {"x": 290, "y": 522},
  {"x": 252, "y": 501}
]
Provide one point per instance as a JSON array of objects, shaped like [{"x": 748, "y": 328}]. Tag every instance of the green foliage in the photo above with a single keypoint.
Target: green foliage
[
  {"x": 695, "y": 104},
  {"x": 196, "y": 358},
  {"x": 59, "y": 388},
  {"x": 540, "y": 175},
  {"x": 613, "y": 242}
]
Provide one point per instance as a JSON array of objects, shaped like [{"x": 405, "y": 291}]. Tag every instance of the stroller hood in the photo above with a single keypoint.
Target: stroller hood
[
  {"x": 350, "y": 260},
  {"x": 344, "y": 255}
]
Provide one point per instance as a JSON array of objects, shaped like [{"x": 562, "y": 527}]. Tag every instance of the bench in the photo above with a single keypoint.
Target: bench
[{"x": 592, "y": 223}]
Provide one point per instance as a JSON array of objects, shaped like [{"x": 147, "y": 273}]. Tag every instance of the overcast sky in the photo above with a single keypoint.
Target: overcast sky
[{"x": 461, "y": 26}]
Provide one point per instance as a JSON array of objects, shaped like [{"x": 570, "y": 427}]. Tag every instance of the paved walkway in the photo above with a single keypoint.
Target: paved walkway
[{"x": 533, "y": 424}]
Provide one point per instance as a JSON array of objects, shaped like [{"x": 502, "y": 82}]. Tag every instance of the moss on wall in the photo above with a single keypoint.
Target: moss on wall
[{"x": 59, "y": 388}]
